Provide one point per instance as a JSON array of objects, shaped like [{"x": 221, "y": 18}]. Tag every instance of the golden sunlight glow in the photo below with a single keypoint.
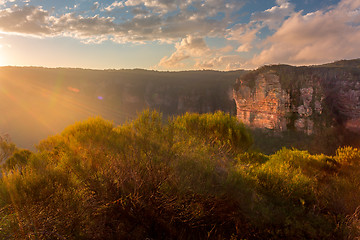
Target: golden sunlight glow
[{"x": 2, "y": 57}]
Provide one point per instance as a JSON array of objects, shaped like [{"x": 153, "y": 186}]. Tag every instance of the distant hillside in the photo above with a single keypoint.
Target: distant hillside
[
  {"x": 37, "y": 102},
  {"x": 355, "y": 63},
  {"x": 313, "y": 107}
]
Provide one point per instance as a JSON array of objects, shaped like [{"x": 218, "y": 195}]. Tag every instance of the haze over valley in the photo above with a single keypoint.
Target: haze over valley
[
  {"x": 309, "y": 103},
  {"x": 40, "y": 102}
]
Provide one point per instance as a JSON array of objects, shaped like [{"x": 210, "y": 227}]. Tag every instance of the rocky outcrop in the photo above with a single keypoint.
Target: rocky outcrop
[
  {"x": 264, "y": 105},
  {"x": 305, "y": 99}
]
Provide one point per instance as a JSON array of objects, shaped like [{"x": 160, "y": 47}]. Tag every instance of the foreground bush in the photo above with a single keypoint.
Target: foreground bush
[{"x": 193, "y": 177}]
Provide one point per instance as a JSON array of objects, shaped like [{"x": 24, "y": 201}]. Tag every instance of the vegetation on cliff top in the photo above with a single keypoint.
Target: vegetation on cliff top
[{"x": 193, "y": 177}]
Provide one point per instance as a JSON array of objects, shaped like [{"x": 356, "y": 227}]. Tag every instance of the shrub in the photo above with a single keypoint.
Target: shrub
[
  {"x": 348, "y": 156},
  {"x": 218, "y": 128},
  {"x": 7, "y": 148},
  {"x": 190, "y": 177}
]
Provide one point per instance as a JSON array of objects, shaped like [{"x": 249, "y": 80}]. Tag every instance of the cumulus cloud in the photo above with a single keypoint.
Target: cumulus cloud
[
  {"x": 208, "y": 7},
  {"x": 204, "y": 57},
  {"x": 316, "y": 37},
  {"x": 188, "y": 47},
  {"x": 144, "y": 24},
  {"x": 116, "y": 4},
  {"x": 2, "y": 2},
  {"x": 350, "y": 4},
  {"x": 296, "y": 37},
  {"x": 274, "y": 16},
  {"x": 93, "y": 28},
  {"x": 95, "y": 6},
  {"x": 245, "y": 34},
  {"x": 139, "y": 11},
  {"x": 226, "y": 62},
  {"x": 27, "y": 20},
  {"x": 161, "y": 6}
]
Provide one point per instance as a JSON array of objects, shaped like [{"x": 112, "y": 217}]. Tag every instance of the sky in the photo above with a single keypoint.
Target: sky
[{"x": 177, "y": 34}]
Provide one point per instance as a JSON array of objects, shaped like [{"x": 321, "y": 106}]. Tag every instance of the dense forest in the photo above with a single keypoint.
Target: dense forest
[{"x": 194, "y": 176}]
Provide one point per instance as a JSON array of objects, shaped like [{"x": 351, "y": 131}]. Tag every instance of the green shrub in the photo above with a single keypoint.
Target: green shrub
[
  {"x": 348, "y": 156},
  {"x": 18, "y": 159},
  {"x": 190, "y": 177},
  {"x": 7, "y": 149},
  {"x": 219, "y": 128}
]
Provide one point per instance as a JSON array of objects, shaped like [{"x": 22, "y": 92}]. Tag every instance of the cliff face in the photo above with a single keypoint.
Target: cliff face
[
  {"x": 263, "y": 105},
  {"x": 305, "y": 99}
]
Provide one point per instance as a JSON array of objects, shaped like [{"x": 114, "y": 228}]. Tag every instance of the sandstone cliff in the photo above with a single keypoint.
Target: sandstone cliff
[{"x": 308, "y": 100}]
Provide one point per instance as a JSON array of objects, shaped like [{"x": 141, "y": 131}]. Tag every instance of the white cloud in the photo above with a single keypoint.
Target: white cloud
[
  {"x": 245, "y": 34},
  {"x": 137, "y": 11},
  {"x": 2, "y": 2},
  {"x": 350, "y": 4},
  {"x": 27, "y": 20},
  {"x": 226, "y": 49},
  {"x": 297, "y": 38},
  {"x": 91, "y": 30},
  {"x": 159, "y": 5},
  {"x": 317, "y": 37},
  {"x": 200, "y": 56},
  {"x": 95, "y": 6},
  {"x": 226, "y": 62},
  {"x": 116, "y": 4},
  {"x": 274, "y": 16},
  {"x": 188, "y": 47},
  {"x": 145, "y": 24}
]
